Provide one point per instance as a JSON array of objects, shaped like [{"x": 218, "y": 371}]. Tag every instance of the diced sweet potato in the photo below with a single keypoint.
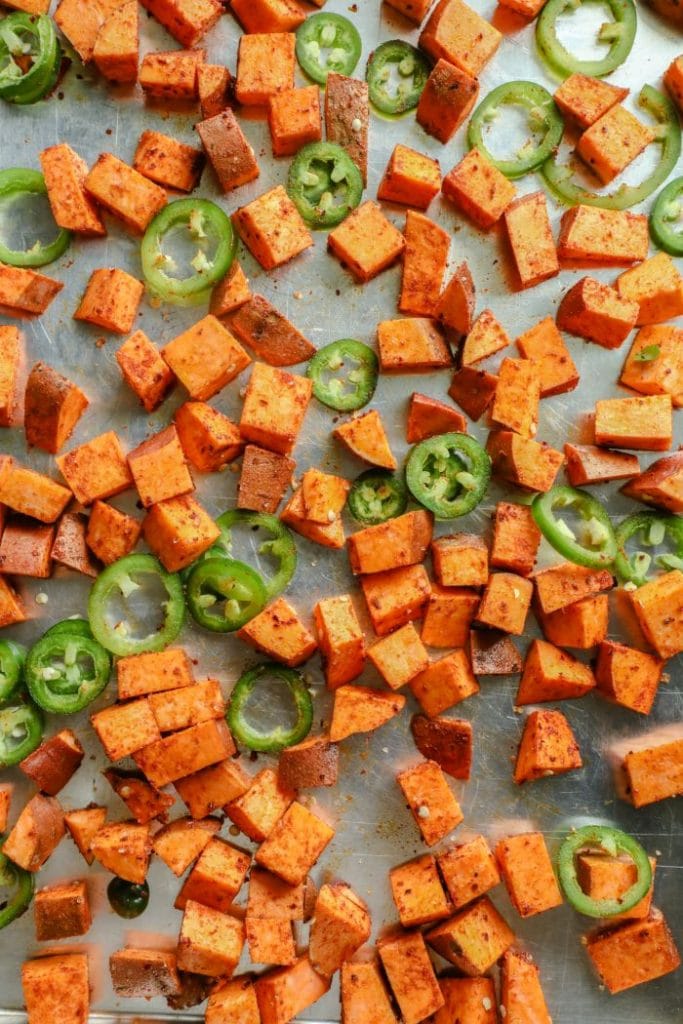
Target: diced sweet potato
[
  {"x": 414, "y": 10},
  {"x": 123, "y": 848},
  {"x": 228, "y": 150},
  {"x": 529, "y": 464},
  {"x": 216, "y": 878},
  {"x": 205, "y": 358},
  {"x": 340, "y": 639},
  {"x": 257, "y": 811},
  {"x": 6, "y": 792},
  {"x": 140, "y": 674},
  {"x": 96, "y": 469},
  {"x": 144, "y": 371},
  {"x": 171, "y": 74},
  {"x": 30, "y": 493},
  {"x": 56, "y": 988},
  {"x": 10, "y": 360},
  {"x": 294, "y": 119},
  {"x": 563, "y": 584},
  {"x": 180, "y": 842},
  {"x": 190, "y": 705},
  {"x": 516, "y": 538},
  {"x": 459, "y": 34},
  {"x": 411, "y": 178},
  {"x": 62, "y": 911},
  {"x": 641, "y": 423},
  {"x": 214, "y": 787},
  {"x": 69, "y": 547},
  {"x": 469, "y": 870},
  {"x": 339, "y": 926},
  {"x": 230, "y": 293},
  {"x": 448, "y": 741},
  {"x": 366, "y": 242},
  {"x": 428, "y": 417},
  {"x": 270, "y": 941},
  {"x": 294, "y": 845},
  {"x": 25, "y": 549},
  {"x": 72, "y": 208},
  {"x": 661, "y": 484},
  {"x": 268, "y": 15},
  {"x": 582, "y": 624},
  {"x": 455, "y": 309},
  {"x": 233, "y": 1002},
  {"x": 653, "y": 774},
  {"x": 605, "y": 236},
  {"x": 210, "y": 942},
  {"x": 424, "y": 265},
  {"x": 365, "y": 437},
  {"x": 584, "y": 100},
  {"x": 399, "y": 657},
  {"x": 547, "y": 747},
  {"x": 271, "y": 227},
  {"x": 362, "y": 988},
  {"x": 654, "y": 365},
  {"x": 144, "y": 973},
  {"x": 411, "y": 976},
  {"x": 418, "y": 893},
  {"x": 528, "y": 873},
  {"x": 209, "y": 439},
  {"x": 603, "y": 877},
  {"x": 264, "y": 478},
  {"x": 186, "y": 20},
  {"x": 474, "y": 999},
  {"x": 271, "y": 898},
  {"x": 274, "y": 407},
  {"x": 473, "y": 390},
  {"x": 313, "y": 762},
  {"x": 518, "y": 392},
  {"x": 627, "y": 676},
  {"x": 125, "y": 728},
  {"x": 478, "y": 188},
  {"x": 179, "y": 530},
  {"x": 83, "y": 825},
  {"x": 400, "y": 541},
  {"x": 168, "y": 162},
  {"x": 144, "y": 802},
  {"x": 24, "y": 291},
  {"x": 531, "y": 240},
  {"x": 552, "y": 674},
  {"x": 634, "y": 953},
  {"x": 447, "y": 98},
  {"x": 127, "y": 195},
  {"x": 116, "y": 49},
  {"x": 328, "y": 535},
  {"x": 159, "y": 469},
  {"x": 505, "y": 602},
  {"x": 278, "y": 632},
  {"x": 486, "y": 337},
  {"x": 597, "y": 312},
  {"x": 435, "y": 810},
  {"x": 493, "y": 654},
  {"x": 544, "y": 346},
  {"x": 360, "y": 709},
  {"x": 448, "y": 616},
  {"x": 395, "y": 597},
  {"x": 82, "y": 25},
  {"x": 284, "y": 993},
  {"x": 474, "y": 939},
  {"x": 36, "y": 834},
  {"x": 444, "y": 683},
  {"x": 613, "y": 142},
  {"x": 522, "y": 995},
  {"x": 263, "y": 328},
  {"x": 53, "y": 763},
  {"x": 347, "y": 117},
  {"x": 656, "y": 286},
  {"x": 588, "y": 464},
  {"x": 185, "y": 752}
]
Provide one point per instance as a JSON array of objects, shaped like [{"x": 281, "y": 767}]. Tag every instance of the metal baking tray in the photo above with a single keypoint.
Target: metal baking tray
[{"x": 374, "y": 829}]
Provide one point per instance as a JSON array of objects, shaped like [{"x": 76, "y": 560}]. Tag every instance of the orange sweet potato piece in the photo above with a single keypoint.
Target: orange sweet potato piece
[
  {"x": 424, "y": 265},
  {"x": 447, "y": 98},
  {"x": 527, "y": 871}
]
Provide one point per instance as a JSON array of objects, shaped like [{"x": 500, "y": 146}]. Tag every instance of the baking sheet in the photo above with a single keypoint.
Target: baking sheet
[{"x": 374, "y": 829}]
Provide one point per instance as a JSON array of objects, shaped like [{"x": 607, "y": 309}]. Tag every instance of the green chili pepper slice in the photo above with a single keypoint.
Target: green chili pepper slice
[
  {"x": 396, "y": 75},
  {"x": 652, "y": 528},
  {"x": 30, "y": 57},
  {"x": 448, "y": 474},
  {"x": 12, "y": 658},
  {"x": 76, "y": 627},
  {"x": 204, "y": 228},
  {"x": 279, "y": 736},
  {"x": 558, "y": 177},
  {"x": 543, "y": 116},
  {"x": 613, "y": 842},
  {"x": 21, "y": 730},
  {"x": 324, "y": 184},
  {"x": 377, "y": 495},
  {"x": 348, "y": 390},
  {"x": 117, "y": 597},
  {"x": 15, "y": 183},
  {"x": 327, "y": 42},
  {"x": 65, "y": 672},
  {"x": 596, "y": 548},
  {"x": 620, "y": 34},
  {"x": 279, "y": 546},
  {"x": 665, "y": 218},
  {"x": 128, "y": 899},
  {"x": 223, "y": 595},
  {"x": 16, "y": 890}
]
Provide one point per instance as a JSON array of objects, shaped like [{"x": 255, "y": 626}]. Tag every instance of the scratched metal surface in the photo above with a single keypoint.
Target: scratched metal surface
[{"x": 374, "y": 829}]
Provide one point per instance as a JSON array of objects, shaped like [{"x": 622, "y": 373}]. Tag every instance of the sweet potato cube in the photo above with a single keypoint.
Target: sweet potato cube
[
  {"x": 365, "y": 437},
  {"x": 395, "y": 597},
  {"x": 62, "y": 911},
  {"x": 588, "y": 464},
  {"x": 597, "y": 312},
  {"x": 25, "y": 549},
  {"x": 472, "y": 999},
  {"x": 228, "y": 150},
  {"x": 603, "y": 877},
  {"x": 605, "y": 236},
  {"x": 56, "y": 988},
  {"x": 168, "y": 162},
  {"x": 214, "y": 84},
  {"x": 459, "y": 34},
  {"x": 159, "y": 469},
  {"x": 528, "y": 874},
  {"x": 447, "y": 98},
  {"x": 411, "y": 345},
  {"x": 171, "y": 74},
  {"x": 294, "y": 845},
  {"x": 411, "y": 178},
  {"x": 460, "y": 560},
  {"x": 72, "y": 208},
  {"x": 144, "y": 973},
  {"x": 25, "y": 291},
  {"x": 521, "y": 992},
  {"x": 627, "y": 676},
  {"x": 83, "y": 826},
  {"x": 362, "y": 987},
  {"x": 186, "y": 20},
  {"x": 399, "y": 656},
  {"x": 324, "y": 495},
  {"x": 116, "y": 50},
  {"x": 205, "y": 358},
  {"x": 582, "y": 624},
  {"x": 634, "y": 953},
  {"x": 294, "y": 119},
  {"x": 53, "y": 405},
  {"x": 185, "y": 752},
  {"x": 144, "y": 371},
  {"x": 339, "y": 926},
  {"x": 478, "y": 189},
  {"x": 547, "y": 747},
  {"x": 435, "y": 810},
  {"x": 516, "y": 538},
  {"x": 214, "y": 787},
  {"x": 474, "y": 939},
  {"x": 523, "y": 461},
  {"x": 531, "y": 240},
  {"x": 469, "y": 870},
  {"x": 80, "y": 25},
  {"x": 584, "y": 100},
  {"x": 493, "y": 653},
  {"x": 543, "y": 345},
  {"x": 5, "y": 801},
  {"x": 210, "y": 942},
  {"x": 660, "y": 484},
  {"x": 54, "y": 762},
  {"x": 233, "y": 1002},
  {"x": 486, "y": 337},
  {"x": 360, "y": 709},
  {"x": 209, "y": 439},
  {"x": 610, "y": 144},
  {"x": 279, "y": 632},
  {"x": 411, "y": 976},
  {"x": 366, "y": 242},
  {"x": 284, "y": 993},
  {"x": 329, "y": 535},
  {"x": 473, "y": 390},
  {"x": 257, "y": 811},
  {"x": 123, "y": 848},
  {"x": 10, "y": 359},
  {"x": 274, "y": 407},
  {"x": 654, "y": 773},
  {"x": 216, "y": 878},
  {"x": 263, "y": 328},
  {"x": 340, "y": 639},
  {"x": 179, "y": 530},
  {"x": 656, "y": 285},
  {"x": 271, "y": 227},
  {"x": 271, "y": 898},
  {"x": 307, "y": 765},
  {"x": 347, "y": 117},
  {"x": 140, "y": 674},
  {"x": 144, "y": 802},
  {"x": 95, "y": 470},
  {"x": 673, "y": 76},
  {"x": 36, "y": 834},
  {"x": 270, "y": 941},
  {"x": 400, "y": 541},
  {"x": 563, "y": 584},
  {"x": 455, "y": 309},
  {"x": 640, "y": 423},
  {"x": 414, "y": 10},
  {"x": 552, "y": 674},
  {"x": 268, "y": 15},
  {"x": 654, "y": 365},
  {"x": 448, "y": 741},
  {"x": 444, "y": 683},
  {"x": 125, "y": 193},
  {"x": 505, "y": 602},
  {"x": 69, "y": 547},
  {"x": 418, "y": 892},
  {"x": 428, "y": 417},
  {"x": 180, "y": 842},
  {"x": 30, "y": 6},
  {"x": 230, "y": 293},
  {"x": 189, "y": 705}
]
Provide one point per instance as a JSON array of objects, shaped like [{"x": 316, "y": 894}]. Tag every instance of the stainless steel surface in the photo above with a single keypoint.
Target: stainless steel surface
[{"x": 374, "y": 829}]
